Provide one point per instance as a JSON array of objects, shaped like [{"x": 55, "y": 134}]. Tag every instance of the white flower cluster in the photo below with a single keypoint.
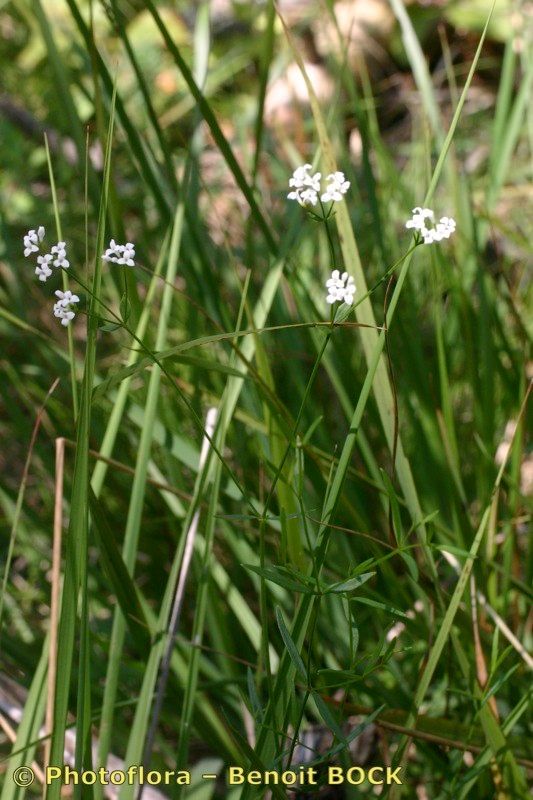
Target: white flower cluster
[
  {"x": 306, "y": 187},
  {"x": 32, "y": 240},
  {"x": 423, "y": 220},
  {"x": 57, "y": 256},
  {"x": 336, "y": 187},
  {"x": 341, "y": 288},
  {"x": 42, "y": 270},
  {"x": 120, "y": 253},
  {"x": 60, "y": 253},
  {"x": 62, "y": 308}
]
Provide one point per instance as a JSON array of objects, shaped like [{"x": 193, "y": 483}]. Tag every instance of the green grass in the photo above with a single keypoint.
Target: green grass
[{"x": 354, "y": 479}]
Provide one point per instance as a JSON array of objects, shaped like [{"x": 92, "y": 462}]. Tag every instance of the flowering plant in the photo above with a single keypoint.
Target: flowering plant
[
  {"x": 57, "y": 257},
  {"x": 423, "y": 222},
  {"x": 306, "y": 188}
]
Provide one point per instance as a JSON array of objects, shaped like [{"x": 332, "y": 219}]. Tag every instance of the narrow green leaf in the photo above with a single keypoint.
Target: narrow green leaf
[
  {"x": 291, "y": 647},
  {"x": 350, "y": 584},
  {"x": 288, "y": 579},
  {"x": 367, "y": 601}
]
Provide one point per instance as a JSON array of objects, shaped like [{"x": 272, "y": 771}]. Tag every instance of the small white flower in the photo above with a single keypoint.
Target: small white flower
[
  {"x": 308, "y": 197},
  {"x": 111, "y": 252},
  {"x": 62, "y": 308},
  {"x": 305, "y": 186},
  {"x": 32, "y": 240},
  {"x": 341, "y": 288},
  {"x": 301, "y": 178},
  {"x": 336, "y": 187},
  {"x": 42, "y": 270},
  {"x": 305, "y": 197},
  {"x": 128, "y": 255},
  {"x": 60, "y": 252},
  {"x": 423, "y": 222},
  {"x": 120, "y": 253},
  {"x": 418, "y": 220},
  {"x": 66, "y": 297},
  {"x": 445, "y": 227},
  {"x": 64, "y": 314}
]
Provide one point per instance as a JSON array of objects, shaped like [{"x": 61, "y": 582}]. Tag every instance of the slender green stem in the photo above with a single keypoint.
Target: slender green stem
[{"x": 70, "y": 335}]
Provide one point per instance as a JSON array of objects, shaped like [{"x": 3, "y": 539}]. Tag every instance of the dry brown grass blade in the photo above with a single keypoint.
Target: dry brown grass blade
[
  {"x": 481, "y": 664},
  {"x": 11, "y": 734}
]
